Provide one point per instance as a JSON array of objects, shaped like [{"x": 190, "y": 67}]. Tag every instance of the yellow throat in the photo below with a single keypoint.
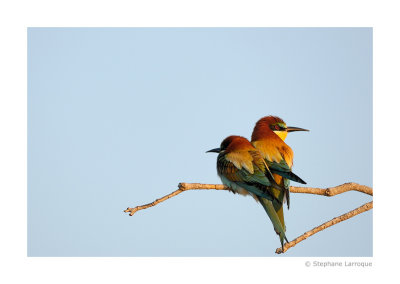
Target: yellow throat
[{"x": 281, "y": 134}]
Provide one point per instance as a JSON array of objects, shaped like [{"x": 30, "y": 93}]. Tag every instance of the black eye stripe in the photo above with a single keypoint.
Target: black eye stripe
[{"x": 277, "y": 127}]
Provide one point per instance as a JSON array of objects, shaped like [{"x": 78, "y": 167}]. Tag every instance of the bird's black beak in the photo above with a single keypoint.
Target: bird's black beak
[
  {"x": 293, "y": 129},
  {"x": 216, "y": 150}
]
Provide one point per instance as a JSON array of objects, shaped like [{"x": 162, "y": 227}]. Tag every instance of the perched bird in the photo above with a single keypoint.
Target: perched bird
[
  {"x": 242, "y": 168},
  {"x": 268, "y": 137}
]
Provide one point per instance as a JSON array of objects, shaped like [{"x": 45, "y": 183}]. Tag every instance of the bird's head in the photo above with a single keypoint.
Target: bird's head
[
  {"x": 276, "y": 124},
  {"x": 232, "y": 143}
]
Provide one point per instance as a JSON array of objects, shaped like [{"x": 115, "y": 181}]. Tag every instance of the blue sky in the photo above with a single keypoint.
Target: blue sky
[{"x": 118, "y": 117}]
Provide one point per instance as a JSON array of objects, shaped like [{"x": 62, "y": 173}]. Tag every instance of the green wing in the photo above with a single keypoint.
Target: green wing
[
  {"x": 255, "y": 182},
  {"x": 283, "y": 169}
]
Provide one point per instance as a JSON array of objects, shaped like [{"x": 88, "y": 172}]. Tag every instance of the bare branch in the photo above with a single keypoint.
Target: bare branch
[
  {"x": 348, "y": 215},
  {"x": 182, "y": 187},
  {"x": 331, "y": 191}
]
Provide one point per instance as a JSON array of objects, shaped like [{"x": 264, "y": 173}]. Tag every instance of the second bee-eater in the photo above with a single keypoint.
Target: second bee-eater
[
  {"x": 242, "y": 168},
  {"x": 268, "y": 137}
]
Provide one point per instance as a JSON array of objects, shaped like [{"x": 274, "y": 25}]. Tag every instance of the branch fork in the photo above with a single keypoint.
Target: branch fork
[{"x": 331, "y": 191}]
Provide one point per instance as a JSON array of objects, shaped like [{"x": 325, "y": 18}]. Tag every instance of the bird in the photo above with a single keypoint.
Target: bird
[
  {"x": 268, "y": 137},
  {"x": 242, "y": 168}
]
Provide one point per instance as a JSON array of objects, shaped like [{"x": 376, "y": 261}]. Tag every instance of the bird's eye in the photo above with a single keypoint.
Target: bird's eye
[{"x": 276, "y": 127}]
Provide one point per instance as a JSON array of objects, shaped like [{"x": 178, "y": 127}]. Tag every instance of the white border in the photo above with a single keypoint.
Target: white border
[{"x": 16, "y": 16}]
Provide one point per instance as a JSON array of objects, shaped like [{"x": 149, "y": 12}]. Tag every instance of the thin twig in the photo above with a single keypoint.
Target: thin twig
[
  {"x": 341, "y": 218},
  {"x": 182, "y": 187},
  {"x": 331, "y": 191}
]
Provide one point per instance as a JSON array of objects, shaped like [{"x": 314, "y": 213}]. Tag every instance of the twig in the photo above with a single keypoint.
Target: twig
[
  {"x": 331, "y": 191},
  {"x": 182, "y": 187},
  {"x": 361, "y": 209}
]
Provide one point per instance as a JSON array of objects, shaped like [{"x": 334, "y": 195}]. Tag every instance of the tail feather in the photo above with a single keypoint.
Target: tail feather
[
  {"x": 286, "y": 183},
  {"x": 272, "y": 214},
  {"x": 279, "y": 210},
  {"x": 278, "y": 204}
]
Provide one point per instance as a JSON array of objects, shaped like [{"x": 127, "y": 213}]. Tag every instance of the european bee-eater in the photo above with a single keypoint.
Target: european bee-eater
[
  {"x": 268, "y": 137},
  {"x": 242, "y": 168}
]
